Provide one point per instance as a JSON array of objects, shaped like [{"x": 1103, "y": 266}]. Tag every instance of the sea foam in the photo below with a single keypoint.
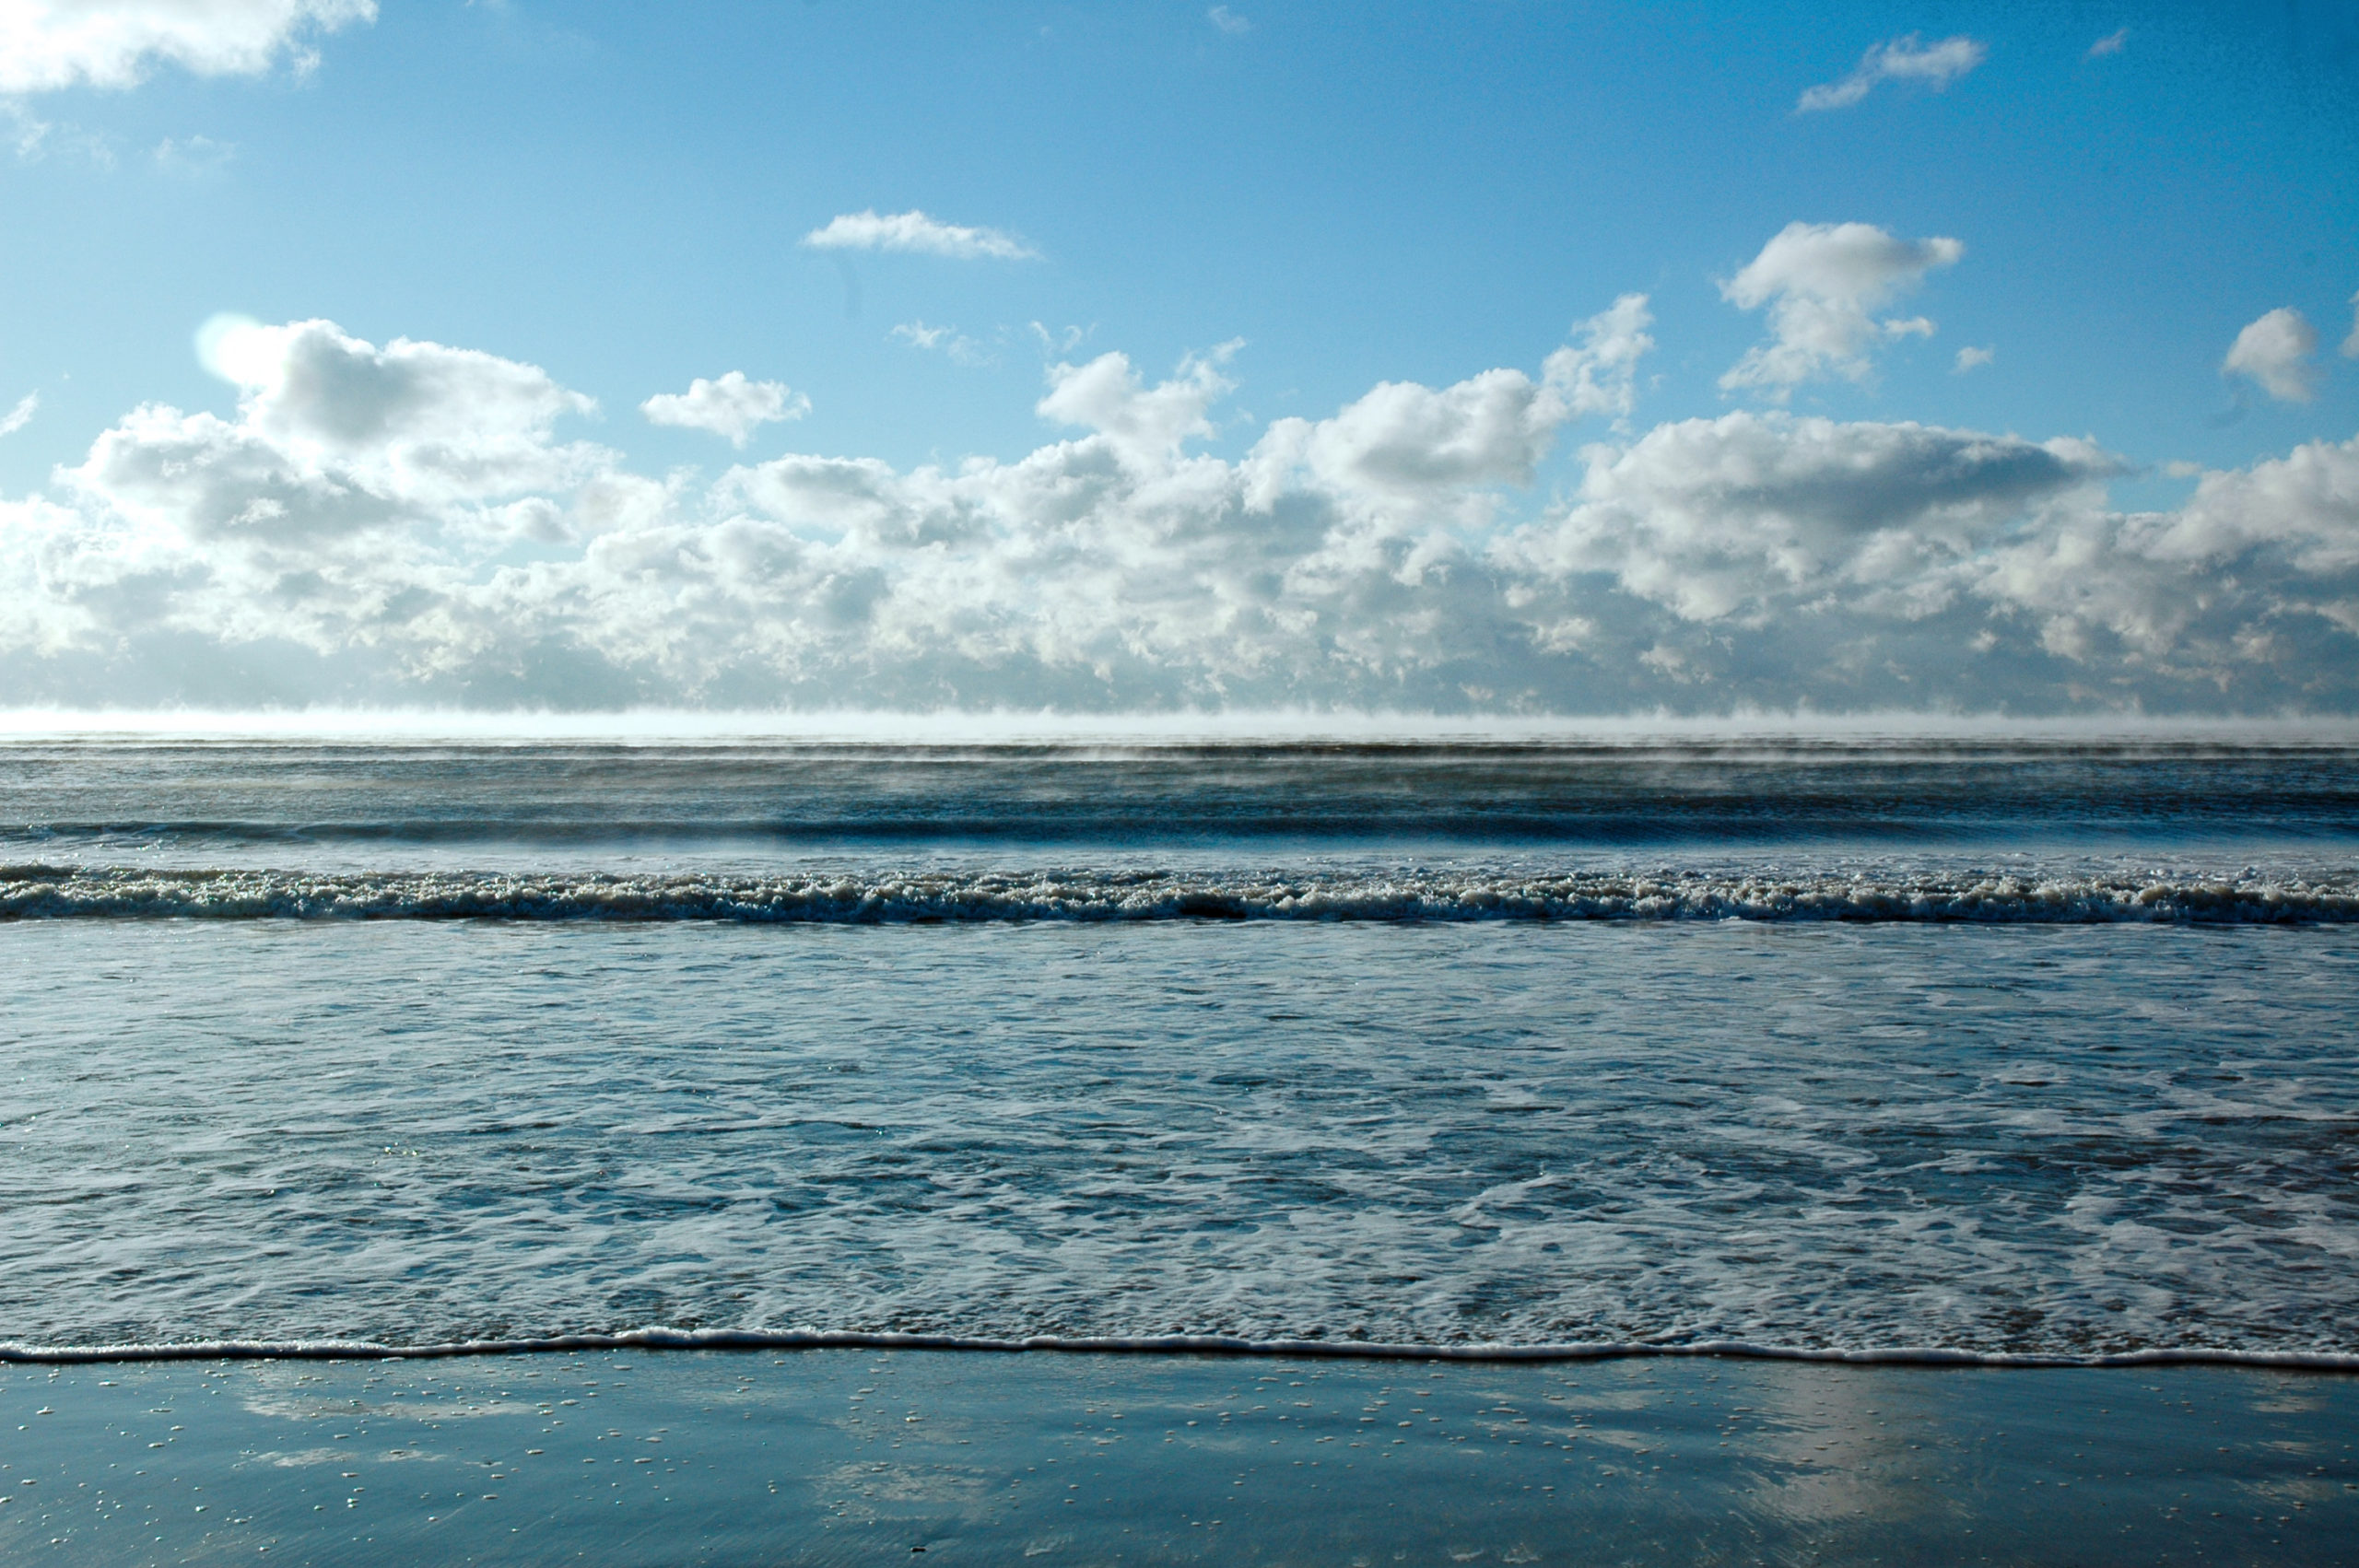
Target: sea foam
[{"x": 55, "y": 892}]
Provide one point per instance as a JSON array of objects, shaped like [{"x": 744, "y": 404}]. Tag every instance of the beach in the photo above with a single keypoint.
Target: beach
[{"x": 1244, "y": 783}]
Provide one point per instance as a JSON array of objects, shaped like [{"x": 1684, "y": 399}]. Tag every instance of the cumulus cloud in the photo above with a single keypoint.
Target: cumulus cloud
[
  {"x": 2276, "y": 352},
  {"x": 1971, "y": 359},
  {"x": 1598, "y": 374},
  {"x": 47, "y": 44},
  {"x": 1723, "y": 518},
  {"x": 341, "y": 451},
  {"x": 914, "y": 231},
  {"x": 21, "y": 415},
  {"x": 731, "y": 407},
  {"x": 1906, "y": 59},
  {"x": 1822, "y": 283},
  {"x": 410, "y": 523},
  {"x": 2305, "y": 505},
  {"x": 1144, "y": 426}
]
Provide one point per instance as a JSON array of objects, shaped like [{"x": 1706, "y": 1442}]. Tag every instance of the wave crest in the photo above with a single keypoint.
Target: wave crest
[{"x": 56, "y": 893}]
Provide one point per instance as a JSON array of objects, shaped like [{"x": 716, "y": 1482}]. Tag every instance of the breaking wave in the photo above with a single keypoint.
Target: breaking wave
[{"x": 52, "y": 892}]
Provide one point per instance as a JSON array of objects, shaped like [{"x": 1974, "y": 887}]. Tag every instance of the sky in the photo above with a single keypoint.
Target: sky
[{"x": 1495, "y": 357}]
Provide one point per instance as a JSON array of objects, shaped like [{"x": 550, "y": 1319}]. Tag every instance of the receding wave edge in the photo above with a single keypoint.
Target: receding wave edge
[{"x": 1162, "y": 1344}]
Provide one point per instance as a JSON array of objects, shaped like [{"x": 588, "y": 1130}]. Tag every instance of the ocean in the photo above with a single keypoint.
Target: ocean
[{"x": 1682, "y": 1054}]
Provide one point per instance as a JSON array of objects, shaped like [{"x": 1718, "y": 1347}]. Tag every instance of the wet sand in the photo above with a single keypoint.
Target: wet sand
[{"x": 857, "y": 1456}]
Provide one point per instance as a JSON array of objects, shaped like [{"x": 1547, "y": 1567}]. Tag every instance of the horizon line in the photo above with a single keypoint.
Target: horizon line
[{"x": 1013, "y": 725}]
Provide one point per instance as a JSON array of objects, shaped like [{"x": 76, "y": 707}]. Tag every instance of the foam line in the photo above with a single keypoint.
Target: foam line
[
  {"x": 1163, "y": 1344},
  {"x": 38, "y": 892}
]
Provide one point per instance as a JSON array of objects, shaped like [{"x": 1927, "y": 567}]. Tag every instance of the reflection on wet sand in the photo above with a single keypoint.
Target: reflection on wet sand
[{"x": 830, "y": 1456}]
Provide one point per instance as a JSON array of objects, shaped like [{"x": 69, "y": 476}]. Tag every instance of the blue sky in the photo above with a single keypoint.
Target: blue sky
[{"x": 1273, "y": 209}]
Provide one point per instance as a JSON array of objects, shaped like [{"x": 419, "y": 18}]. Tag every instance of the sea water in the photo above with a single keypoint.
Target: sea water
[{"x": 1982, "y": 1050}]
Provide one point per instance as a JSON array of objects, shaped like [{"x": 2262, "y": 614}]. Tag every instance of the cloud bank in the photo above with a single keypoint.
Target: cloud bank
[
  {"x": 414, "y": 523},
  {"x": 47, "y": 44}
]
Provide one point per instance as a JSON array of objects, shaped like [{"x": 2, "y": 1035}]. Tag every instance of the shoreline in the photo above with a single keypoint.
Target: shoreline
[{"x": 1200, "y": 1345}]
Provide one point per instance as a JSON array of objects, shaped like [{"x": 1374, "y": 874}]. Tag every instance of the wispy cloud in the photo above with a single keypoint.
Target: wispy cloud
[
  {"x": 914, "y": 231},
  {"x": 194, "y": 155},
  {"x": 1972, "y": 359},
  {"x": 950, "y": 342},
  {"x": 1227, "y": 20},
  {"x": 1898, "y": 60},
  {"x": 33, "y": 138},
  {"x": 2113, "y": 43},
  {"x": 2275, "y": 352},
  {"x": 2350, "y": 344},
  {"x": 1063, "y": 341},
  {"x": 20, "y": 416}
]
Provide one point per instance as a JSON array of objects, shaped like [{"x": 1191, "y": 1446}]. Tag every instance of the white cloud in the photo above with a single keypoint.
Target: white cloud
[
  {"x": 335, "y": 438},
  {"x": 405, "y": 524},
  {"x": 1971, "y": 359},
  {"x": 1146, "y": 426},
  {"x": 914, "y": 231},
  {"x": 2305, "y": 504},
  {"x": 1721, "y": 518},
  {"x": 236, "y": 349},
  {"x": 1599, "y": 373},
  {"x": 2113, "y": 43},
  {"x": 732, "y": 406},
  {"x": 1227, "y": 21},
  {"x": 1405, "y": 456},
  {"x": 1898, "y": 60},
  {"x": 21, "y": 415},
  {"x": 46, "y": 44},
  {"x": 2350, "y": 344},
  {"x": 1821, "y": 281},
  {"x": 2275, "y": 351}
]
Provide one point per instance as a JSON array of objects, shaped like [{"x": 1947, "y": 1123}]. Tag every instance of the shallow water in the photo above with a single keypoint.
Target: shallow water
[
  {"x": 1998, "y": 1048},
  {"x": 847, "y": 1457},
  {"x": 2057, "y": 1140}
]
